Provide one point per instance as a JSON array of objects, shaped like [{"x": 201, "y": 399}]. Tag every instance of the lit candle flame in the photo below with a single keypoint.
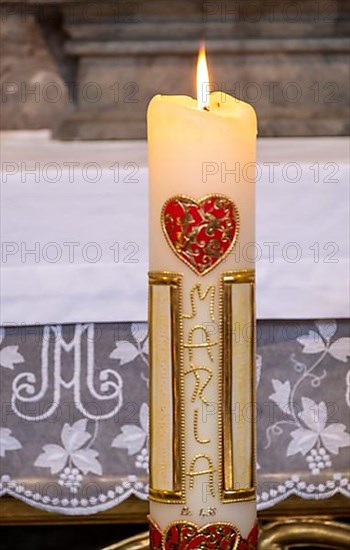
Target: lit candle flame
[{"x": 202, "y": 80}]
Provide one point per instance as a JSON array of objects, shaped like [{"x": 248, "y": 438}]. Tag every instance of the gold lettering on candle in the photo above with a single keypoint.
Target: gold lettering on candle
[
  {"x": 201, "y": 331},
  {"x": 199, "y": 346},
  {"x": 209, "y": 471},
  {"x": 167, "y": 473},
  {"x": 207, "y": 512},
  {"x": 196, "y": 291},
  {"x": 238, "y": 390},
  {"x": 200, "y": 384},
  {"x": 196, "y": 429}
]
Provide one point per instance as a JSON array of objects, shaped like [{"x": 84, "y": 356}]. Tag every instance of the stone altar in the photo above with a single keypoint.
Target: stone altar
[{"x": 289, "y": 59}]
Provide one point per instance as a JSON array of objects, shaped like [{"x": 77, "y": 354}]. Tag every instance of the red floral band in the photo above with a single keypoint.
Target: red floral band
[
  {"x": 188, "y": 536},
  {"x": 200, "y": 232}
]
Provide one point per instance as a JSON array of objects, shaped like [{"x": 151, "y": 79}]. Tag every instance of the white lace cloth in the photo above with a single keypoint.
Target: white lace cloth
[{"x": 74, "y": 427}]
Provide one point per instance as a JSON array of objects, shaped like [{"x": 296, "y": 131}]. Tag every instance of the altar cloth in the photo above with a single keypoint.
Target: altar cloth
[
  {"x": 73, "y": 436},
  {"x": 75, "y": 237}
]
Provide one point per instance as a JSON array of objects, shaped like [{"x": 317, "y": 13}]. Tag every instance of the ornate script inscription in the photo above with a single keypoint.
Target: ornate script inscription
[{"x": 199, "y": 346}]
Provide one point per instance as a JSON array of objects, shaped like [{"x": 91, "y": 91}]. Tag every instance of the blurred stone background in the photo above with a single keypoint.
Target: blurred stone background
[{"x": 87, "y": 70}]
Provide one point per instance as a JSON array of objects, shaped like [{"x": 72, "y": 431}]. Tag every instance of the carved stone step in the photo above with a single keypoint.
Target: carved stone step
[{"x": 298, "y": 87}]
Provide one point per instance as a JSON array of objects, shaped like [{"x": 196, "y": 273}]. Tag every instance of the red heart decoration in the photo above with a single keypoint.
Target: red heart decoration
[
  {"x": 155, "y": 536},
  {"x": 251, "y": 542},
  {"x": 187, "y": 536},
  {"x": 200, "y": 232}
]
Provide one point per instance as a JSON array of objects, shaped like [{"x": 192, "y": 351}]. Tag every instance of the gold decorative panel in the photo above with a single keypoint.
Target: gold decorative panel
[
  {"x": 166, "y": 365},
  {"x": 238, "y": 392}
]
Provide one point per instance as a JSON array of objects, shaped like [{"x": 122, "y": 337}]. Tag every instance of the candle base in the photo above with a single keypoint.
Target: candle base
[{"x": 183, "y": 535}]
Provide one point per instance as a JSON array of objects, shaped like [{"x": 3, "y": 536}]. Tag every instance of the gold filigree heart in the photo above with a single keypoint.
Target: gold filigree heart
[
  {"x": 188, "y": 536},
  {"x": 200, "y": 232}
]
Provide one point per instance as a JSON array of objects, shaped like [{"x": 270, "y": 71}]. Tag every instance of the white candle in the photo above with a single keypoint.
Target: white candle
[{"x": 202, "y": 211}]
